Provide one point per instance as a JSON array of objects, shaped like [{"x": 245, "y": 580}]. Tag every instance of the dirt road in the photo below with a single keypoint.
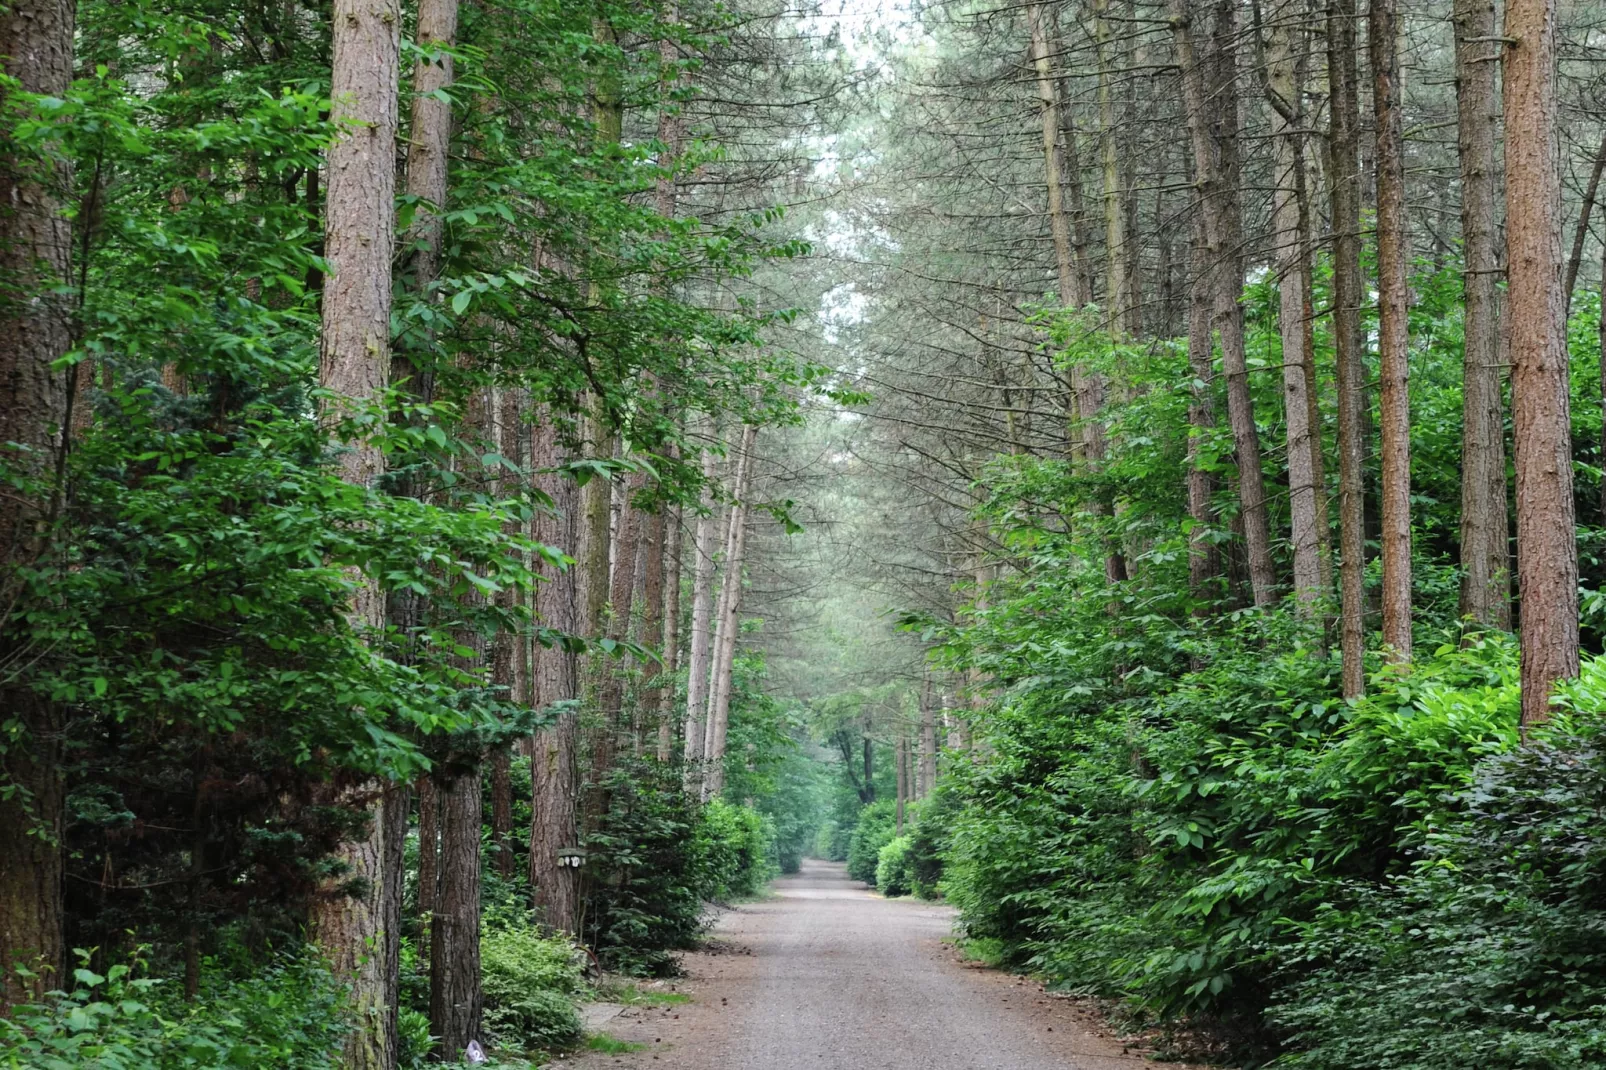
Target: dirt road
[{"x": 828, "y": 976}]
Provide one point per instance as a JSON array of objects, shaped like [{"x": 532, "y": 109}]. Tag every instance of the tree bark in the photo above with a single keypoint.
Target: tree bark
[
  {"x": 429, "y": 846},
  {"x": 1285, "y": 94},
  {"x": 359, "y": 238},
  {"x": 553, "y": 823},
  {"x": 928, "y": 739},
  {"x": 1343, "y": 171},
  {"x": 1547, "y": 556},
  {"x": 702, "y": 614},
  {"x": 1485, "y": 566},
  {"x": 454, "y": 962},
  {"x": 1394, "y": 405},
  {"x": 1117, "y": 274},
  {"x": 36, "y": 47},
  {"x": 728, "y": 622},
  {"x": 1211, "y": 102},
  {"x": 671, "y": 638},
  {"x": 902, "y": 755}
]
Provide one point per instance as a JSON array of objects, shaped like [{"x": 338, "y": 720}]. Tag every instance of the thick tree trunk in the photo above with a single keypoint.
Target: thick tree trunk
[
  {"x": 1285, "y": 95},
  {"x": 702, "y": 615},
  {"x": 454, "y": 960},
  {"x": 1547, "y": 555},
  {"x": 429, "y": 143},
  {"x": 728, "y": 622},
  {"x": 36, "y": 45},
  {"x": 553, "y": 824},
  {"x": 1394, "y": 406},
  {"x": 1485, "y": 566},
  {"x": 1343, "y": 175},
  {"x": 359, "y": 236}
]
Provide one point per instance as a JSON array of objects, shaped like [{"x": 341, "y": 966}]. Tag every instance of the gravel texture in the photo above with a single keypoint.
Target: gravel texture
[{"x": 828, "y": 975}]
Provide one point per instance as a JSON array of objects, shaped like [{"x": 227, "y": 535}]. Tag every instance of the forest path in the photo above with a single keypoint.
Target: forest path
[{"x": 828, "y": 976}]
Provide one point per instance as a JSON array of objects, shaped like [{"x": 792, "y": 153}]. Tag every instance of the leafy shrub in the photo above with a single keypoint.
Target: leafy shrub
[
  {"x": 831, "y": 841},
  {"x": 892, "y": 874},
  {"x": 1488, "y": 951},
  {"x": 288, "y": 1016},
  {"x": 531, "y": 985},
  {"x": 875, "y": 829},
  {"x": 929, "y": 842},
  {"x": 736, "y": 846}
]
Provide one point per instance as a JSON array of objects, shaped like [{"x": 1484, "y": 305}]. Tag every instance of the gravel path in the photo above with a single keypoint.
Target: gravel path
[{"x": 828, "y": 976}]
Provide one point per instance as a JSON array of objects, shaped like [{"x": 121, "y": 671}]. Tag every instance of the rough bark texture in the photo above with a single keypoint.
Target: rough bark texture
[
  {"x": 429, "y": 845},
  {"x": 1485, "y": 566},
  {"x": 1285, "y": 94},
  {"x": 552, "y": 752},
  {"x": 1394, "y": 407},
  {"x": 728, "y": 623},
  {"x": 1117, "y": 275},
  {"x": 454, "y": 960},
  {"x": 1344, "y": 202},
  {"x": 430, "y": 142},
  {"x": 1058, "y": 220},
  {"x": 36, "y": 39},
  {"x": 352, "y": 923},
  {"x": 1547, "y": 557},
  {"x": 359, "y": 237},
  {"x": 1209, "y": 81}
]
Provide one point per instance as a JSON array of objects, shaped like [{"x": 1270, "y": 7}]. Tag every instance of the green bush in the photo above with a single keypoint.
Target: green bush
[
  {"x": 831, "y": 841},
  {"x": 875, "y": 829},
  {"x": 289, "y": 1015},
  {"x": 532, "y": 983},
  {"x": 736, "y": 848},
  {"x": 892, "y": 873}
]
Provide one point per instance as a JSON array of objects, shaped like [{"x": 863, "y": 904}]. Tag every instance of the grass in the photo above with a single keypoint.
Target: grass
[
  {"x": 618, "y": 990},
  {"x": 609, "y": 1045},
  {"x": 987, "y": 951}
]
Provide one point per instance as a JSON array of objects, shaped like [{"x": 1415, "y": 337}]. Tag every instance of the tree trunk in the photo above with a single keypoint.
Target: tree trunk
[
  {"x": 702, "y": 613},
  {"x": 1585, "y": 209},
  {"x": 1485, "y": 568},
  {"x": 902, "y": 755},
  {"x": 1117, "y": 276},
  {"x": 36, "y": 47},
  {"x": 454, "y": 960},
  {"x": 1394, "y": 406},
  {"x": 1547, "y": 556},
  {"x": 671, "y": 638},
  {"x": 1211, "y": 101},
  {"x": 429, "y": 845},
  {"x": 652, "y": 621},
  {"x": 1058, "y": 220},
  {"x": 552, "y": 753},
  {"x": 1285, "y": 94},
  {"x": 728, "y": 622},
  {"x": 359, "y": 236},
  {"x": 502, "y": 812},
  {"x": 928, "y": 740},
  {"x": 1343, "y": 175}
]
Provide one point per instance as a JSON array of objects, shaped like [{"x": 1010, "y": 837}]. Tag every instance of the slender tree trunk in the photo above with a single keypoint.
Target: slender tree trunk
[
  {"x": 702, "y": 614},
  {"x": 1058, "y": 220},
  {"x": 1602, "y": 347},
  {"x": 1485, "y": 568},
  {"x": 1393, "y": 341},
  {"x": 656, "y": 531},
  {"x": 454, "y": 962},
  {"x": 429, "y": 845},
  {"x": 36, "y": 47},
  {"x": 1117, "y": 276},
  {"x": 1285, "y": 94},
  {"x": 510, "y": 668},
  {"x": 1547, "y": 554},
  {"x": 1343, "y": 171},
  {"x": 671, "y": 639},
  {"x": 1211, "y": 102},
  {"x": 359, "y": 236},
  {"x": 728, "y": 623},
  {"x": 553, "y": 824},
  {"x": 928, "y": 739},
  {"x": 1584, "y": 210},
  {"x": 902, "y": 755}
]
